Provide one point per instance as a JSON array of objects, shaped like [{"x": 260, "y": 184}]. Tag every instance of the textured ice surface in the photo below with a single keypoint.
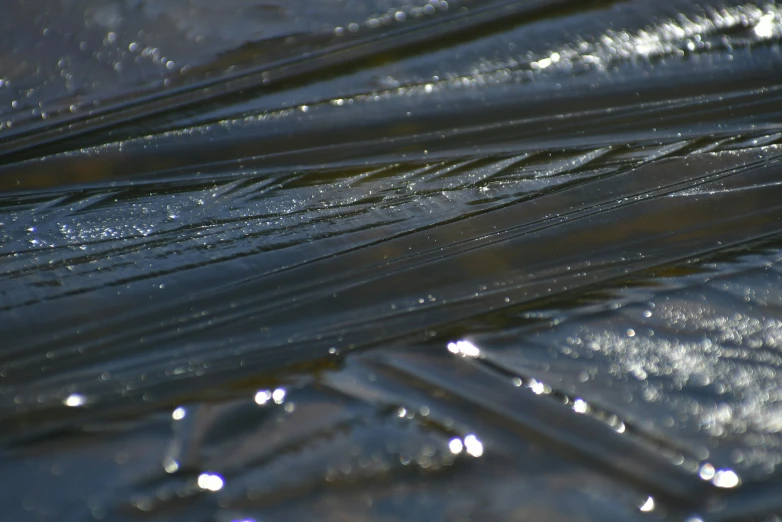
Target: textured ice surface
[{"x": 379, "y": 260}]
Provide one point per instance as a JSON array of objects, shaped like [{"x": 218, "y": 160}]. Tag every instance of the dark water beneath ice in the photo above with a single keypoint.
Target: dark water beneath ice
[{"x": 331, "y": 260}]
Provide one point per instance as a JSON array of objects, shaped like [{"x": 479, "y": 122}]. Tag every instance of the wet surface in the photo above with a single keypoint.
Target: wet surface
[{"x": 385, "y": 261}]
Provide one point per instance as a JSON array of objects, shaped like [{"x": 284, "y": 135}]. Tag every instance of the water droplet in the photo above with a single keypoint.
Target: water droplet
[{"x": 170, "y": 465}]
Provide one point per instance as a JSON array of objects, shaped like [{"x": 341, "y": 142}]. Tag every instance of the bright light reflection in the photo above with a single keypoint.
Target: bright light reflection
[
  {"x": 648, "y": 505},
  {"x": 464, "y": 348},
  {"x": 537, "y": 387},
  {"x": 765, "y": 26},
  {"x": 726, "y": 478},
  {"x": 580, "y": 406},
  {"x": 473, "y": 446},
  {"x": 456, "y": 446},
  {"x": 210, "y": 481},
  {"x": 262, "y": 397},
  {"x": 75, "y": 400},
  {"x": 178, "y": 414},
  {"x": 278, "y": 395}
]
